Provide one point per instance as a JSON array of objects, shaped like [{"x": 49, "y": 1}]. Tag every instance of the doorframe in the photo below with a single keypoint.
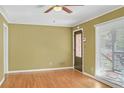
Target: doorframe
[
  {"x": 81, "y": 29},
  {"x": 5, "y": 47}
]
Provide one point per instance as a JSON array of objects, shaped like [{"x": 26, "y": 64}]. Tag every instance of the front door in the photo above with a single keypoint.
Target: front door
[{"x": 78, "y": 50}]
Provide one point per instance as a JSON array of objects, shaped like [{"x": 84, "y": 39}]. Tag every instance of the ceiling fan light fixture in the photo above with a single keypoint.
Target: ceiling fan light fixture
[{"x": 57, "y": 8}]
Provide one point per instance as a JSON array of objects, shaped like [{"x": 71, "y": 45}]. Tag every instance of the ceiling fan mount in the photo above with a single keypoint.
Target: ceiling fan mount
[{"x": 60, "y": 8}]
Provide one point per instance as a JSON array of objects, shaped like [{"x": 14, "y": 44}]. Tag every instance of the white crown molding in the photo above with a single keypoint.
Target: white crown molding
[
  {"x": 39, "y": 24},
  {"x": 97, "y": 16},
  {"x": 34, "y": 70},
  {"x": 3, "y": 13}
]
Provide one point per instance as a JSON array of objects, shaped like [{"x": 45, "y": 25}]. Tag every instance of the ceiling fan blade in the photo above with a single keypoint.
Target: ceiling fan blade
[
  {"x": 67, "y": 10},
  {"x": 49, "y": 9}
]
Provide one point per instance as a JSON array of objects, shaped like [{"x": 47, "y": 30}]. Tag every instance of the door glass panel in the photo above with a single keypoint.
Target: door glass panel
[{"x": 78, "y": 45}]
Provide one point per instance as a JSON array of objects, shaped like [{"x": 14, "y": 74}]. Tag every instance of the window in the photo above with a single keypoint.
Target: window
[{"x": 110, "y": 51}]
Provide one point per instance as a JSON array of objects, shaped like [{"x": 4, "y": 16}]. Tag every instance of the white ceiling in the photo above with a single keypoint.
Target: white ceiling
[{"x": 32, "y": 14}]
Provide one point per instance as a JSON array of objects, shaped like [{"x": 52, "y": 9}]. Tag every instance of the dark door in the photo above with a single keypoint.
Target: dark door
[{"x": 78, "y": 50}]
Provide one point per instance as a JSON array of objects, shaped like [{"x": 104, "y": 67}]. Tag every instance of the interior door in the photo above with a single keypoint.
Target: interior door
[{"x": 78, "y": 50}]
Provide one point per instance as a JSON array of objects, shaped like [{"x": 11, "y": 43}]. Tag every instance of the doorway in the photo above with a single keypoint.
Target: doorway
[
  {"x": 5, "y": 38},
  {"x": 78, "y": 50}
]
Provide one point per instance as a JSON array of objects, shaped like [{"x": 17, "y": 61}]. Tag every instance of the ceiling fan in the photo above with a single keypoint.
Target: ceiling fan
[{"x": 60, "y": 8}]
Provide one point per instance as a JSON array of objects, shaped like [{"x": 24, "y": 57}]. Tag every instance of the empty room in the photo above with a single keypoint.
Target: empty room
[{"x": 61, "y": 46}]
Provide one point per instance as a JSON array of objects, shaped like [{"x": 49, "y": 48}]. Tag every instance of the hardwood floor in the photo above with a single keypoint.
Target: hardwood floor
[{"x": 51, "y": 79}]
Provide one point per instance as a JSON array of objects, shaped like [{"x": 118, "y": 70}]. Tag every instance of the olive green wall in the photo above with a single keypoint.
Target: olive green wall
[
  {"x": 2, "y": 20},
  {"x": 89, "y": 33},
  {"x": 38, "y": 47}
]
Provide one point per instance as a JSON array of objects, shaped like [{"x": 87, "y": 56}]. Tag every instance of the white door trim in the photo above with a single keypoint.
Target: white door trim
[
  {"x": 82, "y": 47},
  {"x": 5, "y": 46}
]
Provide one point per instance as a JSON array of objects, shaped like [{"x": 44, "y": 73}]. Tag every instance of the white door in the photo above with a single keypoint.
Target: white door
[{"x": 5, "y": 38}]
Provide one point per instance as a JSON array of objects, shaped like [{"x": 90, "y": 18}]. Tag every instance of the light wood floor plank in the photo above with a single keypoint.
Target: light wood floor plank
[{"x": 51, "y": 79}]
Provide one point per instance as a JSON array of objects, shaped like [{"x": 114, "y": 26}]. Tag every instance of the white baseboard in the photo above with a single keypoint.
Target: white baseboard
[
  {"x": 108, "y": 83},
  {"x": 89, "y": 75},
  {"x": 1, "y": 82},
  {"x": 101, "y": 80},
  {"x": 78, "y": 71},
  {"x": 33, "y": 70}
]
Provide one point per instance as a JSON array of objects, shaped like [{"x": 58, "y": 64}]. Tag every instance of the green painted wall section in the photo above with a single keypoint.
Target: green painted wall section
[
  {"x": 39, "y": 47},
  {"x": 89, "y": 33}
]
